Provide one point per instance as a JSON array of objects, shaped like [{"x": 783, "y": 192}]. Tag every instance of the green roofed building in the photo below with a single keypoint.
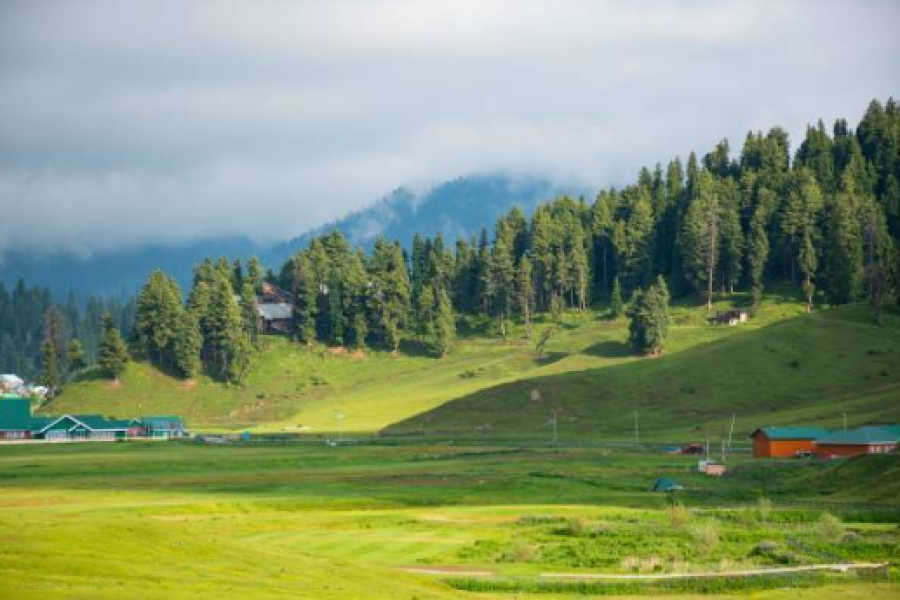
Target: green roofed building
[
  {"x": 165, "y": 427},
  {"x": 875, "y": 439},
  {"x": 664, "y": 484},
  {"x": 80, "y": 427},
  {"x": 780, "y": 442},
  {"x": 15, "y": 418}
]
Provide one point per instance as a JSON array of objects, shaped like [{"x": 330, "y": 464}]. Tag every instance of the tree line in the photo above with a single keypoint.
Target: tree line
[
  {"x": 36, "y": 330},
  {"x": 825, "y": 219}
]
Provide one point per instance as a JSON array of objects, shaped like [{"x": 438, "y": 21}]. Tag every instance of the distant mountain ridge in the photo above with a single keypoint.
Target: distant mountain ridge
[{"x": 456, "y": 208}]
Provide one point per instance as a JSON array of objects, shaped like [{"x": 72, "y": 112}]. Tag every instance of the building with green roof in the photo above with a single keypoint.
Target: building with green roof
[
  {"x": 874, "y": 439},
  {"x": 15, "y": 418},
  {"x": 81, "y": 427},
  {"x": 781, "y": 442},
  {"x": 164, "y": 427}
]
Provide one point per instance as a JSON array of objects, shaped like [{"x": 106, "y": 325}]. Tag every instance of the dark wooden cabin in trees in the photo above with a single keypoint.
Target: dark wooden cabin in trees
[{"x": 274, "y": 310}]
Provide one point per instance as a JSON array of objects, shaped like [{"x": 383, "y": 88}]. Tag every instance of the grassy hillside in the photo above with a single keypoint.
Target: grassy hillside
[
  {"x": 781, "y": 367},
  {"x": 808, "y": 368}
]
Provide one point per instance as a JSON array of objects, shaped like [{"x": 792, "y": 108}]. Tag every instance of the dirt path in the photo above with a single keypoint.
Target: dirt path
[{"x": 837, "y": 567}]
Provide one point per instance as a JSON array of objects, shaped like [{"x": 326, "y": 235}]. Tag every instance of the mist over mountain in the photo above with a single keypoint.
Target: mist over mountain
[{"x": 457, "y": 208}]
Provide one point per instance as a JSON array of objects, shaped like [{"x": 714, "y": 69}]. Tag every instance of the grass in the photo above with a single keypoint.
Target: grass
[
  {"x": 172, "y": 520},
  {"x": 463, "y": 475},
  {"x": 809, "y": 369},
  {"x": 782, "y": 367}
]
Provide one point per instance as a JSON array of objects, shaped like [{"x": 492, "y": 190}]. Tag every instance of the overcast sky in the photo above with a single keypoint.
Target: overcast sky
[{"x": 130, "y": 122}]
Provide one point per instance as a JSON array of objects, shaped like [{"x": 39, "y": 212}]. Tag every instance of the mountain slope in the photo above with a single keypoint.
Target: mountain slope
[
  {"x": 117, "y": 274},
  {"x": 806, "y": 369},
  {"x": 457, "y": 208},
  {"x": 781, "y": 368}
]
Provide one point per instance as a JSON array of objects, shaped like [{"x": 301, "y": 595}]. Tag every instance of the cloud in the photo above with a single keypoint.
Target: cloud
[{"x": 126, "y": 122}]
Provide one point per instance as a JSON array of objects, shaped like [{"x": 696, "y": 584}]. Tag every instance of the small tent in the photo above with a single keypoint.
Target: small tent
[{"x": 664, "y": 484}]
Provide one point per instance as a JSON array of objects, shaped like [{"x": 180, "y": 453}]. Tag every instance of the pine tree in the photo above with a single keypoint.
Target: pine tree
[
  {"x": 50, "y": 373},
  {"x": 649, "y": 325},
  {"x": 445, "y": 324},
  {"x": 579, "y": 273},
  {"x": 757, "y": 253},
  {"x": 255, "y": 274},
  {"x": 305, "y": 292},
  {"x": 158, "y": 306},
  {"x": 699, "y": 237},
  {"x": 188, "y": 344},
  {"x": 56, "y": 332},
  {"x": 227, "y": 340},
  {"x": 616, "y": 306},
  {"x": 75, "y": 357},
  {"x": 113, "y": 354},
  {"x": 602, "y": 227},
  {"x": 526, "y": 293},
  {"x": 390, "y": 295},
  {"x": 248, "y": 311},
  {"x": 502, "y": 274},
  {"x": 843, "y": 256},
  {"x": 808, "y": 264},
  {"x": 425, "y": 305}
]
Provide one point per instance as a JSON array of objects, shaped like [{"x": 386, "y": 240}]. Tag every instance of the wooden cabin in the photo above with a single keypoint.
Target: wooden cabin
[
  {"x": 785, "y": 442},
  {"x": 274, "y": 310}
]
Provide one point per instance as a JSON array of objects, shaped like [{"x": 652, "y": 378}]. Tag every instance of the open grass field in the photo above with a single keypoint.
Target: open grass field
[
  {"x": 782, "y": 367},
  {"x": 179, "y": 520}
]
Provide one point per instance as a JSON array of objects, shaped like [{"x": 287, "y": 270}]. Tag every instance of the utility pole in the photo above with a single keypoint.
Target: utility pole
[
  {"x": 637, "y": 430},
  {"x": 845, "y": 422}
]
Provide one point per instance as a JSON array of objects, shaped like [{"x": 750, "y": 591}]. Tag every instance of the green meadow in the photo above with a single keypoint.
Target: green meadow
[
  {"x": 784, "y": 366},
  {"x": 173, "y": 520},
  {"x": 448, "y": 482}
]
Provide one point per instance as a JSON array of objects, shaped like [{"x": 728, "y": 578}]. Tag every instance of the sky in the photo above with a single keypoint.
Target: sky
[{"x": 124, "y": 123}]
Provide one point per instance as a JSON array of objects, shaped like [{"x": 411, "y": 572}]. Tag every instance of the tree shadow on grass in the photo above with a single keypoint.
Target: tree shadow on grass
[
  {"x": 608, "y": 349},
  {"x": 549, "y": 358}
]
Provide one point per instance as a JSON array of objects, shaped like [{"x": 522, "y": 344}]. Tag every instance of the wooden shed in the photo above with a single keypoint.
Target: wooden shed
[{"x": 785, "y": 442}]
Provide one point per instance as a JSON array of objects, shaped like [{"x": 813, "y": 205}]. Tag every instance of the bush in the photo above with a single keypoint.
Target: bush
[
  {"x": 705, "y": 536},
  {"x": 830, "y": 528},
  {"x": 679, "y": 516}
]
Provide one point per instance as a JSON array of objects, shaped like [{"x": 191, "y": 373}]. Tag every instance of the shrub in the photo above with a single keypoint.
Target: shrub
[
  {"x": 705, "y": 536},
  {"x": 578, "y": 527},
  {"x": 830, "y": 528},
  {"x": 519, "y": 552},
  {"x": 678, "y": 515}
]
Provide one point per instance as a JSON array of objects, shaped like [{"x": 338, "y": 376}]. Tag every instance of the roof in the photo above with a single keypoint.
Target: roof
[
  {"x": 15, "y": 414},
  {"x": 664, "y": 484},
  {"x": 92, "y": 422},
  {"x": 863, "y": 436},
  {"x": 98, "y": 422},
  {"x": 792, "y": 433},
  {"x": 164, "y": 422},
  {"x": 38, "y": 423},
  {"x": 272, "y": 311}
]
